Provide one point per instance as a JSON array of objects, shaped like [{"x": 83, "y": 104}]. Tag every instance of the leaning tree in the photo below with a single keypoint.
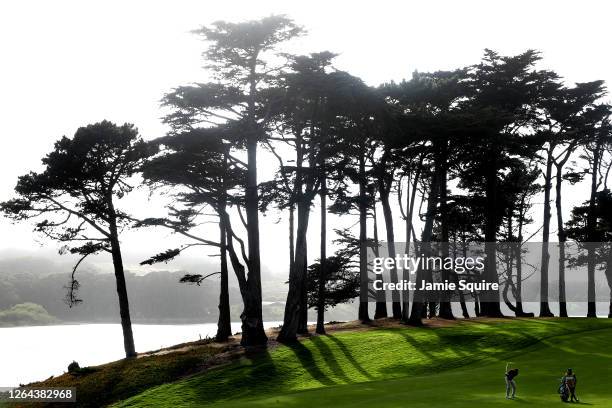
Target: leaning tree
[
  {"x": 517, "y": 191},
  {"x": 75, "y": 196}
]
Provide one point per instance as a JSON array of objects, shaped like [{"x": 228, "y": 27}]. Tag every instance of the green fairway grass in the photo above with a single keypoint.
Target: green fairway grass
[{"x": 457, "y": 366}]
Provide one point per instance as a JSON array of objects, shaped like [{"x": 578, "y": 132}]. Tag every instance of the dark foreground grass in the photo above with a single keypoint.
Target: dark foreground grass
[{"x": 457, "y": 366}]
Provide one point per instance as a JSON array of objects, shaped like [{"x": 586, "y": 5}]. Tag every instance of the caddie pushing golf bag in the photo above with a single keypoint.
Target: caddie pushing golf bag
[{"x": 563, "y": 392}]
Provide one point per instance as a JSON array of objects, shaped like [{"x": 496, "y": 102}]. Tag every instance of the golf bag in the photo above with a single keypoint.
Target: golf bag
[{"x": 563, "y": 393}]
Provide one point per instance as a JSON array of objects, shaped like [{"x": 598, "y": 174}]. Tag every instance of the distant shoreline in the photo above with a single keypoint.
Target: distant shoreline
[
  {"x": 142, "y": 323},
  {"x": 182, "y": 323}
]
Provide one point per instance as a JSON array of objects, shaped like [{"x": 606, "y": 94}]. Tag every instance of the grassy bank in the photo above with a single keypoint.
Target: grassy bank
[
  {"x": 456, "y": 364},
  {"x": 394, "y": 366},
  {"x": 102, "y": 385}
]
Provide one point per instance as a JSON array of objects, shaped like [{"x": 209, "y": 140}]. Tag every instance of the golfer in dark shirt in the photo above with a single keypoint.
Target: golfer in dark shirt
[{"x": 510, "y": 383}]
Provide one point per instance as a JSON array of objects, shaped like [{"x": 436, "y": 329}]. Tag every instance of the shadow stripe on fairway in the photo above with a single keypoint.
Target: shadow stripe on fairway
[{"x": 408, "y": 391}]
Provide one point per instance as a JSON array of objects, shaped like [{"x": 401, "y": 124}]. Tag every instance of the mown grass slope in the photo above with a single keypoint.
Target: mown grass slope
[{"x": 457, "y": 366}]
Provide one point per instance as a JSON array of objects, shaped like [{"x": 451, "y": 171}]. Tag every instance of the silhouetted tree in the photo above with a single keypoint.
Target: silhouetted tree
[
  {"x": 340, "y": 281},
  {"x": 430, "y": 120},
  {"x": 238, "y": 57},
  {"x": 502, "y": 96},
  {"x": 595, "y": 149},
  {"x": 563, "y": 124},
  {"x": 465, "y": 215},
  {"x": 577, "y": 228},
  {"x": 411, "y": 170},
  {"x": 307, "y": 119},
  {"x": 198, "y": 170},
  {"x": 75, "y": 197},
  {"x": 517, "y": 191}
]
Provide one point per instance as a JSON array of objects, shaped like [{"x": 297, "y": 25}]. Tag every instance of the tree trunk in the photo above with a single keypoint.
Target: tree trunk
[
  {"x": 418, "y": 305},
  {"x": 303, "y": 315},
  {"x": 239, "y": 269},
  {"x": 291, "y": 236},
  {"x": 509, "y": 247},
  {"x": 446, "y": 311},
  {"x": 253, "y": 333},
  {"x": 294, "y": 305},
  {"x": 464, "y": 309},
  {"x": 388, "y": 216},
  {"x": 124, "y": 306},
  {"x": 410, "y": 196},
  {"x": 520, "y": 312},
  {"x": 363, "y": 314},
  {"x": 609, "y": 278},
  {"x": 381, "y": 296},
  {"x": 590, "y": 227},
  {"x": 489, "y": 306},
  {"x": 562, "y": 239},
  {"x": 518, "y": 253},
  {"x": 323, "y": 258},
  {"x": 544, "y": 308},
  {"x": 303, "y": 319},
  {"x": 224, "y": 326}
]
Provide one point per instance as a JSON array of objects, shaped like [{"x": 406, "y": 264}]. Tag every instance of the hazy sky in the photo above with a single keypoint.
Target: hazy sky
[{"x": 68, "y": 63}]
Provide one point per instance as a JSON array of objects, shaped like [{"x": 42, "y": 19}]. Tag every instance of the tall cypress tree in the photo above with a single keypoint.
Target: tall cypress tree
[{"x": 238, "y": 58}]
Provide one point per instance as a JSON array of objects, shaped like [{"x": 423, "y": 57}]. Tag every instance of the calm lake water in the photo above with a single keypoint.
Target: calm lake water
[{"x": 35, "y": 353}]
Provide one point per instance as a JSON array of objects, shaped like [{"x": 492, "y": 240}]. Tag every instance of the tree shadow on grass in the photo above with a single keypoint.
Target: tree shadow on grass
[
  {"x": 255, "y": 375},
  {"x": 444, "y": 350},
  {"x": 263, "y": 367},
  {"x": 328, "y": 356},
  {"x": 441, "y": 341},
  {"x": 350, "y": 357},
  {"x": 308, "y": 362},
  {"x": 417, "y": 346}
]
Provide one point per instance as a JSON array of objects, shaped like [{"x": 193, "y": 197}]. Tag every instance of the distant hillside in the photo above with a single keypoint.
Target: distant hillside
[
  {"x": 26, "y": 314},
  {"x": 155, "y": 297}
]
